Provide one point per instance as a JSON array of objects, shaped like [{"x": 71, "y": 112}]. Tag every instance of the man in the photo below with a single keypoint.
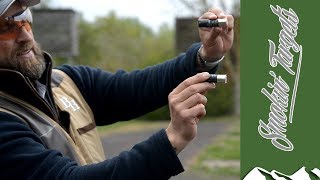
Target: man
[{"x": 48, "y": 117}]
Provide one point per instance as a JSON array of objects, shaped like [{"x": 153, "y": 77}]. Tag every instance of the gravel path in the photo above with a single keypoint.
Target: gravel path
[{"x": 114, "y": 144}]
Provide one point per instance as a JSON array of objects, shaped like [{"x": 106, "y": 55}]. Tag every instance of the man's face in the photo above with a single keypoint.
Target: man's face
[{"x": 18, "y": 50}]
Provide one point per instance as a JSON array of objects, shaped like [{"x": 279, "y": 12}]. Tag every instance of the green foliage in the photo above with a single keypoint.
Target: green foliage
[
  {"x": 160, "y": 114},
  {"x": 88, "y": 46},
  {"x": 113, "y": 43}
]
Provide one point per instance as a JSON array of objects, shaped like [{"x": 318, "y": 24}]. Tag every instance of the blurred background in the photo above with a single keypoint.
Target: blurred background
[{"x": 131, "y": 35}]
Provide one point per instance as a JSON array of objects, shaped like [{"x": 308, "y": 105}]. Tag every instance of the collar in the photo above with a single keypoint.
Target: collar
[{"x": 16, "y": 84}]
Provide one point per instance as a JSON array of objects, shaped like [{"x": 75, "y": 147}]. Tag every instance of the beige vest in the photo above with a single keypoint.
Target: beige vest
[
  {"x": 82, "y": 125},
  {"x": 83, "y": 143}
]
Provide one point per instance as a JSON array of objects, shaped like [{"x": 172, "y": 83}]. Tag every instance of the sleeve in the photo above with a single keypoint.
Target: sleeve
[
  {"x": 125, "y": 95},
  {"x": 23, "y": 156}
]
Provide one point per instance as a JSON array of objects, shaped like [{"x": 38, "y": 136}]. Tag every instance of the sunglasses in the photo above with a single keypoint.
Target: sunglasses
[{"x": 10, "y": 26}]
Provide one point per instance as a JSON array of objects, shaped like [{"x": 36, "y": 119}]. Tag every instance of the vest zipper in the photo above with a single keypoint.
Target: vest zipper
[{"x": 47, "y": 105}]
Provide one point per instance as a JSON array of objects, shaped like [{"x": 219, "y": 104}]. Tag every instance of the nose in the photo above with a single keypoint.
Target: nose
[{"x": 24, "y": 35}]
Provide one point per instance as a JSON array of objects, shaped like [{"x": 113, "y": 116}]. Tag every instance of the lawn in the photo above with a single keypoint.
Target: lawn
[
  {"x": 222, "y": 157},
  {"x": 131, "y": 126}
]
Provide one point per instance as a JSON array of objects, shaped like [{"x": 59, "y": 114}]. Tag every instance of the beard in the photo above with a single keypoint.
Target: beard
[{"x": 33, "y": 67}]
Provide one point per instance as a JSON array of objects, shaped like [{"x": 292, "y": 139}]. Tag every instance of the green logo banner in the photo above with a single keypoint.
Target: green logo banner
[{"x": 279, "y": 90}]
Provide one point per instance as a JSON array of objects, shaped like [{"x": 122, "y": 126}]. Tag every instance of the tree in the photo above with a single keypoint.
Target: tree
[{"x": 112, "y": 42}]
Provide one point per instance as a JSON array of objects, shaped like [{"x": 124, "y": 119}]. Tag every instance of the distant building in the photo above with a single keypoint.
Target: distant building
[
  {"x": 186, "y": 33},
  {"x": 56, "y": 31}
]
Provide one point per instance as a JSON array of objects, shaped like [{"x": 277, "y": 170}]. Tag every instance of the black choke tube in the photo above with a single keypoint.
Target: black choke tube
[{"x": 217, "y": 78}]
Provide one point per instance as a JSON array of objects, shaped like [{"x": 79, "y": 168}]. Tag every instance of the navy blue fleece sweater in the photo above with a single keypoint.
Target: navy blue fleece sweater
[{"x": 112, "y": 97}]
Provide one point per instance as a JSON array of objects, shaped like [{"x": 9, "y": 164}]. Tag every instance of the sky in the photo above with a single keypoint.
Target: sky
[{"x": 152, "y": 13}]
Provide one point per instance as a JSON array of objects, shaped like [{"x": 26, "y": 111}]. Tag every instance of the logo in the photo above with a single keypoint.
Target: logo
[
  {"x": 275, "y": 129},
  {"x": 69, "y": 103}
]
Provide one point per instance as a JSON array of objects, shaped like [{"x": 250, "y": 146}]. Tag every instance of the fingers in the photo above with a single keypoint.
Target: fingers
[
  {"x": 213, "y": 14},
  {"x": 199, "y": 78},
  {"x": 192, "y": 101},
  {"x": 195, "y": 113},
  {"x": 230, "y": 23},
  {"x": 187, "y": 101},
  {"x": 187, "y": 106},
  {"x": 199, "y": 111},
  {"x": 216, "y": 41},
  {"x": 200, "y": 88}
]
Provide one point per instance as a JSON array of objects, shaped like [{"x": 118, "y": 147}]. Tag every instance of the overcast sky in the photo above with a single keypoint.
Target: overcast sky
[{"x": 153, "y": 13}]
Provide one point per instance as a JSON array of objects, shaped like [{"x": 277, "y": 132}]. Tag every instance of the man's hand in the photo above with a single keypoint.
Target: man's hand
[
  {"x": 218, "y": 40},
  {"x": 187, "y": 106}
]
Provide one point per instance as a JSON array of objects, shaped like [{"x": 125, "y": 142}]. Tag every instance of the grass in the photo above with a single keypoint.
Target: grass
[
  {"x": 131, "y": 126},
  {"x": 225, "y": 148},
  {"x": 137, "y": 125}
]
